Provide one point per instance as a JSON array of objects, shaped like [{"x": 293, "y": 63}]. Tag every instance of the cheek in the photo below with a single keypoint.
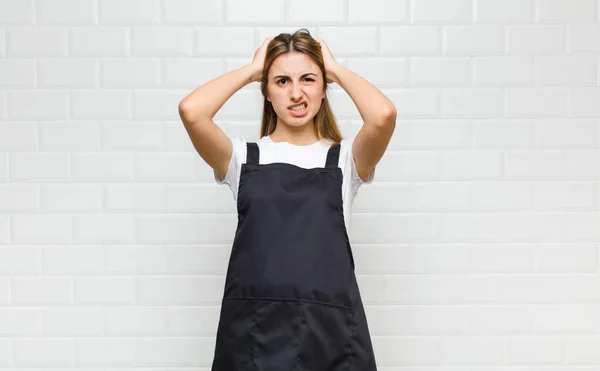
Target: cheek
[{"x": 316, "y": 100}]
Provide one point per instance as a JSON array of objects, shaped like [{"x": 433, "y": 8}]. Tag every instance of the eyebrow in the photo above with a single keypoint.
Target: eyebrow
[{"x": 306, "y": 74}]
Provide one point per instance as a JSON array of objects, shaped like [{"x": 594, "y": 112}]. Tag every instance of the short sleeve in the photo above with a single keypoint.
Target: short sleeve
[
  {"x": 354, "y": 181},
  {"x": 238, "y": 157},
  {"x": 358, "y": 179}
]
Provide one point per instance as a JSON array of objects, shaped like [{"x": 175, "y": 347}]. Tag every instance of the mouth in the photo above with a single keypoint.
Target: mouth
[
  {"x": 299, "y": 110},
  {"x": 300, "y": 106}
]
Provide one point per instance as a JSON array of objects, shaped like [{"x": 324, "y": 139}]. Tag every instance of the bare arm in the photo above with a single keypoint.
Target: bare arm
[
  {"x": 198, "y": 109},
  {"x": 379, "y": 119}
]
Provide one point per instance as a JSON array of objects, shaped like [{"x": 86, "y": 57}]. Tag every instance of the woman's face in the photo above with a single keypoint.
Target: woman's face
[{"x": 295, "y": 78}]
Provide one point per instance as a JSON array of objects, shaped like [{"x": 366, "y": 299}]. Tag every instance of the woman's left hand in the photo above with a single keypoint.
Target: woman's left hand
[{"x": 330, "y": 63}]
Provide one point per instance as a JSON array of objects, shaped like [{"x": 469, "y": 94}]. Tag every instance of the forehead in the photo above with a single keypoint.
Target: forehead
[{"x": 293, "y": 64}]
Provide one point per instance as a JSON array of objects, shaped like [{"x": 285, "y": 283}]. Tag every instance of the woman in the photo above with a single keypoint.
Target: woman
[{"x": 291, "y": 300}]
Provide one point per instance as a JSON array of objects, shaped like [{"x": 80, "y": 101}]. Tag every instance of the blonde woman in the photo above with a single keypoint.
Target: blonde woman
[{"x": 291, "y": 299}]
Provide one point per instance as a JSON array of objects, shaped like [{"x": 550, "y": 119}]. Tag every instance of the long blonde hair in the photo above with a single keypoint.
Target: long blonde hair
[{"x": 301, "y": 41}]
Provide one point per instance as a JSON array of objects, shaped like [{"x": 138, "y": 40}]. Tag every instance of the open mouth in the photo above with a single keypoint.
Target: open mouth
[{"x": 300, "y": 110}]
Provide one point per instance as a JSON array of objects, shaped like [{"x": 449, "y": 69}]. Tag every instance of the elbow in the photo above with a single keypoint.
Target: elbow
[
  {"x": 185, "y": 112},
  {"x": 388, "y": 117},
  {"x": 183, "y": 107},
  {"x": 191, "y": 112},
  {"x": 389, "y": 114}
]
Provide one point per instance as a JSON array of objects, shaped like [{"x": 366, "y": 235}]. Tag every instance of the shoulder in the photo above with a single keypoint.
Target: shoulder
[{"x": 240, "y": 146}]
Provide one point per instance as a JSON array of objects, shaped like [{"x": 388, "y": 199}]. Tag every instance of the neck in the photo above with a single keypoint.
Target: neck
[{"x": 297, "y": 135}]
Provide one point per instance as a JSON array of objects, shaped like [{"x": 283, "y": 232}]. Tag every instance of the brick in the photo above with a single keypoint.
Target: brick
[
  {"x": 133, "y": 197},
  {"x": 18, "y": 135},
  {"x": 507, "y": 11},
  {"x": 20, "y": 322},
  {"x": 200, "y": 290},
  {"x": 474, "y": 40},
  {"x": 380, "y": 11},
  {"x": 225, "y": 41},
  {"x": 434, "y": 72},
  {"x": 19, "y": 261},
  {"x": 104, "y": 291},
  {"x": 583, "y": 38},
  {"x": 503, "y": 71},
  {"x": 192, "y": 12},
  {"x": 86, "y": 167},
  {"x": 364, "y": 40},
  {"x": 49, "y": 105},
  {"x": 36, "y": 42},
  {"x": 99, "y": 42},
  {"x": 17, "y": 12},
  {"x": 315, "y": 11},
  {"x": 128, "y": 12},
  {"x": 123, "y": 135},
  {"x": 583, "y": 102},
  {"x": 189, "y": 72},
  {"x": 536, "y": 102},
  {"x": 69, "y": 135},
  {"x": 536, "y": 350},
  {"x": 447, "y": 11},
  {"x": 566, "y": 71},
  {"x": 552, "y": 11},
  {"x": 67, "y": 322},
  {"x": 39, "y": 167},
  {"x": 43, "y": 352},
  {"x": 100, "y": 104},
  {"x": 41, "y": 291},
  {"x": 123, "y": 259},
  {"x": 161, "y": 42},
  {"x": 411, "y": 40},
  {"x": 17, "y": 73},
  {"x": 536, "y": 40},
  {"x": 158, "y": 104},
  {"x": 67, "y": 73},
  {"x": 130, "y": 73},
  {"x": 74, "y": 198},
  {"x": 65, "y": 12},
  {"x": 103, "y": 229},
  {"x": 473, "y": 102},
  {"x": 273, "y": 11},
  {"x": 567, "y": 196},
  {"x": 502, "y": 134},
  {"x": 19, "y": 198}
]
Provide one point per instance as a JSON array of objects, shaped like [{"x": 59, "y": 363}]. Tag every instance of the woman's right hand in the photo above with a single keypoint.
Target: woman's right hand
[{"x": 259, "y": 59}]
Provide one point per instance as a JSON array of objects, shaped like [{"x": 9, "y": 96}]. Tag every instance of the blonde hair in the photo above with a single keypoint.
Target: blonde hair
[{"x": 301, "y": 41}]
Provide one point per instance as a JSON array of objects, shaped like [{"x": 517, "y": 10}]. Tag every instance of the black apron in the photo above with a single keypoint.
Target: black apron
[{"x": 291, "y": 301}]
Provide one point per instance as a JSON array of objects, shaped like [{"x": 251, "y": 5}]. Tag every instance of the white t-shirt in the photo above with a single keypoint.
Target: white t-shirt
[{"x": 310, "y": 156}]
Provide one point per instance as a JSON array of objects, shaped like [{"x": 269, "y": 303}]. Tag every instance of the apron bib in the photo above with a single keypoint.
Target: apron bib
[{"x": 291, "y": 299}]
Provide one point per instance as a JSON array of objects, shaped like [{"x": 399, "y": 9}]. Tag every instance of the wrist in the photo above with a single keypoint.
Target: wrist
[
  {"x": 254, "y": 72},
  {"x": 333, "y": 72}
]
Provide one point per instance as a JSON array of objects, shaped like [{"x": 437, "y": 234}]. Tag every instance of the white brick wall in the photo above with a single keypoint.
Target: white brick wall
[{"x": 476, "y": 247}]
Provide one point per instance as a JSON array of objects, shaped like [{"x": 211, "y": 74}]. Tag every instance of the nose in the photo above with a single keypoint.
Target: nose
[{"x": 296, "y": 91}]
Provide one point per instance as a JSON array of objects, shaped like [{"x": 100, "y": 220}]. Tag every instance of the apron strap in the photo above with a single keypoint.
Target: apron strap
[
  {"x": 252, "y": 154},
  {"x": 333, "y": 156}
]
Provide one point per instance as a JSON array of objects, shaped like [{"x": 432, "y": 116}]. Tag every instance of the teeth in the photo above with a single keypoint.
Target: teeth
[{"x": 299, "y": 108}]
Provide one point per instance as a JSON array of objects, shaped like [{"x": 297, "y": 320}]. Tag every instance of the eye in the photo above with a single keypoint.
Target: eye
[{"x": 284, "y": 79}]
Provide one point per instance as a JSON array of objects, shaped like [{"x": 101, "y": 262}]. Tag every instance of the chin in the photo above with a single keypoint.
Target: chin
[{"x": 299, "y": 121}]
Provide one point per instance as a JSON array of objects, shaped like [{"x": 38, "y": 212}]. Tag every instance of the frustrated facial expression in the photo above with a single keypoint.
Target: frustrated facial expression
[{"x": 294, "y": 78}]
